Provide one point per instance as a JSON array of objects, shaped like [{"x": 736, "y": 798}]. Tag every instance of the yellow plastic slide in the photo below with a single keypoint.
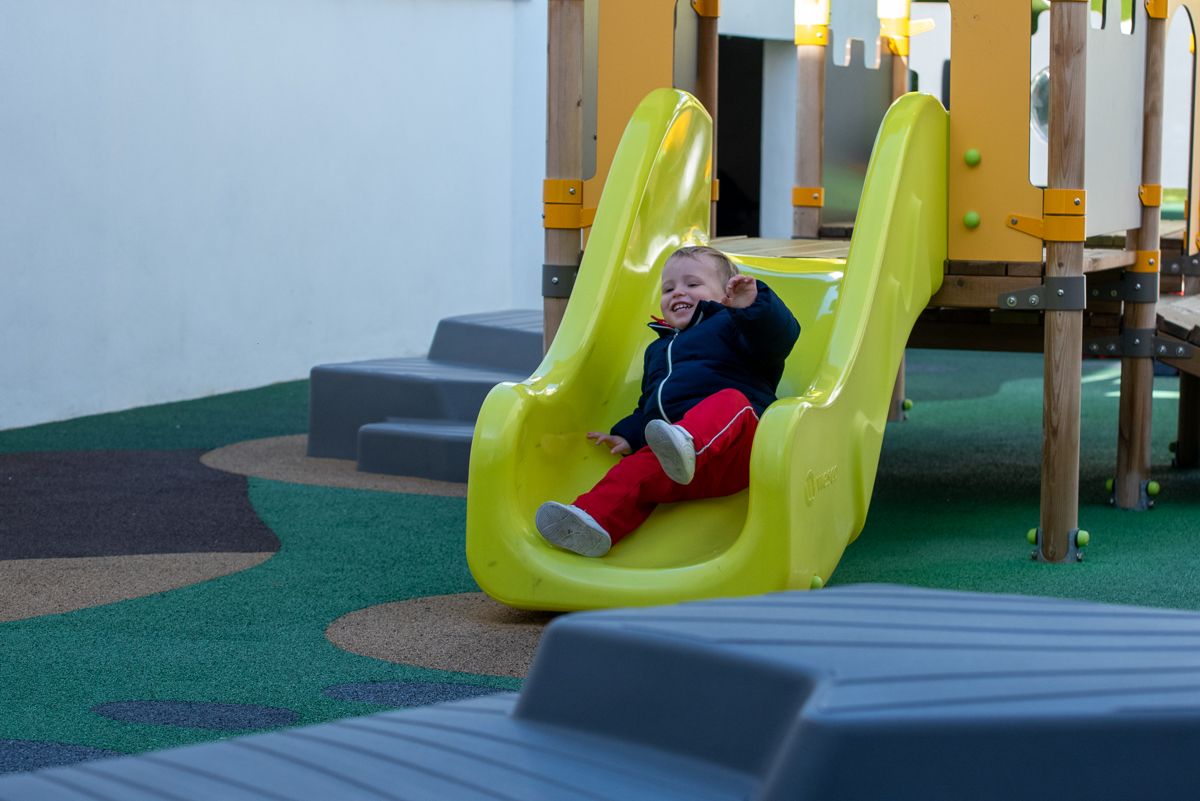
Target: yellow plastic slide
[{"x": 817, "y": 448}]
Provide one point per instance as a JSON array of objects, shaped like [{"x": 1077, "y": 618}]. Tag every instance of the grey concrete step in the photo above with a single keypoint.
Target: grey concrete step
[
  {"x": 431, "y": 449},
  {"x": 470, "y": 354}
]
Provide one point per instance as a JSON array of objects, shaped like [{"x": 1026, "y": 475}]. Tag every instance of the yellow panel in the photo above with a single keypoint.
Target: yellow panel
[
  {"x": 989, "y": 102},
  {"x": 816, "y": 451},
  {"x": 636, "y": 55}
]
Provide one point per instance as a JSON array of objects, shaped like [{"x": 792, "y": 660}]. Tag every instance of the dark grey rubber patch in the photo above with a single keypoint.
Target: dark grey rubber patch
[
  {"x": 117, "y": 503},
  {"x": 401, "y": 694},
  {"x": 22, "y": 755},
  {"x": 198, "y": 714}
]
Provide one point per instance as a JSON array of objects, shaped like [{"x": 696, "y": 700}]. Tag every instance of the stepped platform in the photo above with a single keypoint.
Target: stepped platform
[
  {"x": 856, "y": 693},
  {"x": 415, "y": 416}
]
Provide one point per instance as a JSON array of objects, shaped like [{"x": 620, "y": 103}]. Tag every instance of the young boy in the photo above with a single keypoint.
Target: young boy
[{"x": 712, "y": 371}]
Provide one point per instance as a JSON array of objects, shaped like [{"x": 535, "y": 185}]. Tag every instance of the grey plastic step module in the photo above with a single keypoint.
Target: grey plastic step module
[
  {"x": 470, "y": 354},
  {"x": 857, "y": 693},
  {"x": 440, "y": 451}
]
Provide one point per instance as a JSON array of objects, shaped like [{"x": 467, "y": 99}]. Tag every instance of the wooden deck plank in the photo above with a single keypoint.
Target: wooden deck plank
[{"x": 1179, "y": 316}]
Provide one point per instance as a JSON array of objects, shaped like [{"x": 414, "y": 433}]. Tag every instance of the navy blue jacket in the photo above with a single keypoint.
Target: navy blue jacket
[{"x": 721, "y": 348}]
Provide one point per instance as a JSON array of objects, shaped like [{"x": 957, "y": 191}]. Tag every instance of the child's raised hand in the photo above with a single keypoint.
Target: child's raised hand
[
  {"x": 619, "y": 445},
  {"x": 740, "y": 291}
]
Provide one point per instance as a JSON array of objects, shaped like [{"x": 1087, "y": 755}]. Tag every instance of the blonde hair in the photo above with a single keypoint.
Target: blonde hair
[{"x": 702, "y": 253}]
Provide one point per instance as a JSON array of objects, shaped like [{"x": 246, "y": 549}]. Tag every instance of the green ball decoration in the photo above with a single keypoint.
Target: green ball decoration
[
  {"x": 817, "y": 583},
  {"x": 972, "y": 157},
  {"x": 971, "y": 219},
  {"x": 1153, "y": 488},
  {"x": 906, "y": 404},
  {"x": 1108, "y": 485},
  {"x": 1031, "y": 536},
  {"x": 1082, "y": 538}
]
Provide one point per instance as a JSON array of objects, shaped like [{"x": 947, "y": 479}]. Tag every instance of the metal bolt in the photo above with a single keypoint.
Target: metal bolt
[
  {"x": 1137, "y": 286},
  {"x": 1112, "y": 293},
  {"x": 1112, "y": 348},
  {"x": 1094, "y": 348},
  {"x": 1079, "y": 556},
  {"x": 1162, "y": 348},
  {"x": 1095, "y": 293},
  {"x": 1010, "y": 300},
  {"x": 1137, "y": 341},
  {"x": 1180, "y": 351},
  {"x": 1061, "y": 293},
  {"x": 1034, "y": 300},
  {"x": 570, "y": 190},
  {"x": 554, "y": 279},
  {"x": 1077, "y": 201},
  {"x": 1033, "y": 554},
  {"x": 816, "y": 195},
  {"x": 1012, "y": 221},
  {"x": 1195, "y": 262},
  {"x": 1151, "y": 262}
]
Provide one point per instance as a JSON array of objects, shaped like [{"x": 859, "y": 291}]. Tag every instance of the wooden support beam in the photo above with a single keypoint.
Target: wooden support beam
[
  {"x": 1063, "y": 362},
  {"x": 564, "y": 137},
  {"x": 707, "y": 70},
  {"x": 810, "y": 122},
  {"x": 896, "y": 411},
  {"x": 1187, "y": 444},
  {"x": 1137, "y": 374}
]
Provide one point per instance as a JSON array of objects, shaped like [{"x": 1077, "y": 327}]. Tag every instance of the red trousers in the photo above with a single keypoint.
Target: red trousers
[{"x": 722, "y": 427}]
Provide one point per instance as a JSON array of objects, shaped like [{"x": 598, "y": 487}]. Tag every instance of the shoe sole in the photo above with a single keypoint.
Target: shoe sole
[
  {"x": 560, "y": 526},
  {"x": 677, "y": 459}
]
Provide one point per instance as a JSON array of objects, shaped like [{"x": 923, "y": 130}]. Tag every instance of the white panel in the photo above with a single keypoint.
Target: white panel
[
  {"x": 1116, "y": 67},
  {"x": 1116, "y": 63},
  {"x": 758, "y": 19},
  {"x": 928, "y": 51},
  {"x": 778, "y": 139},
  {"x": 1177, "y": 102},
  {"x": 208, "y": 195},
  {"x": 854, "y": 19}
]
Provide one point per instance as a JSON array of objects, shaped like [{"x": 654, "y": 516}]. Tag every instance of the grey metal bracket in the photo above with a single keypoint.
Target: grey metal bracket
[
  {"x": 1139, "y": 343},
  {"x": 1131, "y": 343},
  {"x": 1145, "y": 499},
  {"x": 558, "y": 280},
  {"x": 1188, "y": 265},
  {"x": 1130, "y": 288},
  {"x": 1074, "y": 550},
  {"x": 1059, "y": 293},
  {"x": 1172, "y": 349}
]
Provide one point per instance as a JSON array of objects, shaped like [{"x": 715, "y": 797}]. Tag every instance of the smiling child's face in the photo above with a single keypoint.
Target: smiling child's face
[{"x": 685, "y": 282}]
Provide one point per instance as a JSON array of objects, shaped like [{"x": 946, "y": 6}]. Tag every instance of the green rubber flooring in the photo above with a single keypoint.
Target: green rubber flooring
[{"x": 957, "y": 490}]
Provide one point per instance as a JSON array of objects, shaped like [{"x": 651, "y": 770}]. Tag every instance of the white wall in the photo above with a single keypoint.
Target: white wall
[{"x": 207, "y": 195}]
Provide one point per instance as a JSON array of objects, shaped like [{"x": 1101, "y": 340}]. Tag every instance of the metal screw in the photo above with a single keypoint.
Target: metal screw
[
  {"x": 1112, "y": 293},
  {"x": 1094, "y": 349},
  {"x": 1095, "y": 293},
  {"x": 1179, "y": 351},
  {"x": 1162, "y": 348},
  {"x": 1151, "y": 262},
  {"x": 554, "y": 279},
  {"x": 570, "y": 190},
  {"x": 1033, "y": 554},
  {"x": 1077, "y": 201},
  {"x": 1012, "y": 221},
  {"x": 1061, "y": 293},
  {"x": 1137, "y": 286},
  {"x": 1079, "y": 556},
  {"x": 1010, "y": 300},
  {"x": 1195, "y": 262},
  {"x": 1112, "y": 348},
  {"x": 816, "y": 195},
  {"x": 1034, "y": 300},
  {"x": 1137, "y": 341}
]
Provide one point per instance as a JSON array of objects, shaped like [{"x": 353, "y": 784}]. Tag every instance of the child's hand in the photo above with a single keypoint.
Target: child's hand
[
  {"x": 619, "y": 445},
  {"x": 741, "y": 291}
]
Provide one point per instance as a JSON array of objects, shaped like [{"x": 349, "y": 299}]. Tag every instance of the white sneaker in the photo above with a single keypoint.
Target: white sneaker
[
  {"x": 572, "y": 529},
  {"x": 674, "y": 448}
]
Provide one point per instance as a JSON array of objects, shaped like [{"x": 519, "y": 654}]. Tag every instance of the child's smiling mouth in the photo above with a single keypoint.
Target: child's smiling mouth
[{"x": 680, "y": 306}]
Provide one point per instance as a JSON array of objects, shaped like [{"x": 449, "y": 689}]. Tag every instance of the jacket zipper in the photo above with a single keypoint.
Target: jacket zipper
[{"x": 670, "y": 369}]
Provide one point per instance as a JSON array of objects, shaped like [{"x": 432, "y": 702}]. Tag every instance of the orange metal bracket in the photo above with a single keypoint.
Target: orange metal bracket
[
  {"x": 1150, "y": 194},
  {"x": 1147, "y": 262},
  {"x": 1052, "y": 228},
  {"x": 811, "y": 196},
  {"x": 812, "y": 35},
  {"x": 707, "y": 8},
  {"x": 1070, "y": 202},
  {"x": 1156, "y": 9}
]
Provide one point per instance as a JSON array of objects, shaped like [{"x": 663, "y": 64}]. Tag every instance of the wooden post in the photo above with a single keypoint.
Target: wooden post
[
  {"x": 1063, "y": 362},
  {"x": 1187, "y": 446},
  {"x": 564, "y": 146},
  {"x": 896, "y": 411},
  {"x": 810, "y": 149},
  {"x": 1137, "y": 374},
  {"x": 707, "y": 63}
]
